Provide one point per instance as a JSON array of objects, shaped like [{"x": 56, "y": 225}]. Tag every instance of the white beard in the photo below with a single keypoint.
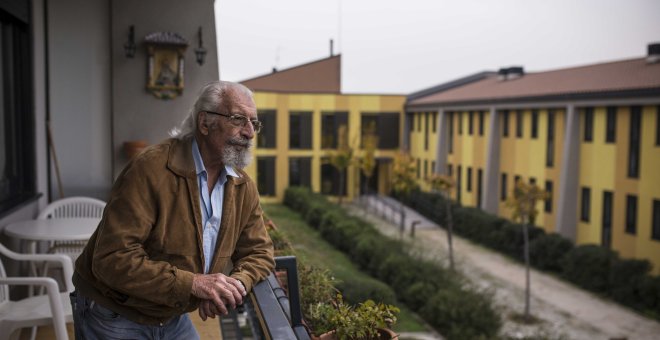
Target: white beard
[{"x": 236, "y": 156}]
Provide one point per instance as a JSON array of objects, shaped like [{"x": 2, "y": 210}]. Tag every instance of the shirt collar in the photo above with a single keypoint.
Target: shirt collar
[{"x": 199, "y": 163}]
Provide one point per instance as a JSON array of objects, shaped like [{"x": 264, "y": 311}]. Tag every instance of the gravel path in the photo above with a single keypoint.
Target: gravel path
[{"x": 565, "y": 311}]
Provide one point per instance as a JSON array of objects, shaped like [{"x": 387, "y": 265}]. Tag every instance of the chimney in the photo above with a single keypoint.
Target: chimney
[
  {"x": 274, "y": 69},
  {"x": 510, "y": 73},
  {"x": 653, "y": 53},
  {"x": 331, "y": 48}
]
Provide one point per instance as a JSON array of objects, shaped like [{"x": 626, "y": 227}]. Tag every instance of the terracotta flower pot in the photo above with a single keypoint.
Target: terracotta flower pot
[{"x": 134, "y": 147}]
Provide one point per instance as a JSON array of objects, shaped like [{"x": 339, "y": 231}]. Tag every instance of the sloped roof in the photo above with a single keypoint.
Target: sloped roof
[
  {"x": 320, "y": 76},
  {"x": 625, "y": 77}
]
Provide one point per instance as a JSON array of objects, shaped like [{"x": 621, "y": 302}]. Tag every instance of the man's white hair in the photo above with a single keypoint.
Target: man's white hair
[{"x": 209, "y": 99}]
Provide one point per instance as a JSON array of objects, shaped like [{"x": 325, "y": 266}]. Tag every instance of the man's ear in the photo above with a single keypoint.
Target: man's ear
[{"x": 202, "y": 123}]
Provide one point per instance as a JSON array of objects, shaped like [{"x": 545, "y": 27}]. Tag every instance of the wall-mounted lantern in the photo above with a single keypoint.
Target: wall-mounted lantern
[
  {"x": 129, "y": 46},
  {"x": 200, "y": 51}
]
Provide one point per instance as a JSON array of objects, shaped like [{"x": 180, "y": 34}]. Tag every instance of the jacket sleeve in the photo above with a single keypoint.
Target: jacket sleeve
[
  {"x": 253, "y": 256},
  {"x": 120, "y": 259}
]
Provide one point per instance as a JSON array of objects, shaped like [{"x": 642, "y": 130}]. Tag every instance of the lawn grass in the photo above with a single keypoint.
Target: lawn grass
[{"x": 311, "y": 248}]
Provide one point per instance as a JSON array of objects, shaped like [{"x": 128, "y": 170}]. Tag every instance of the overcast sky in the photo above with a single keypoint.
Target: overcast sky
[{"x": 401, "y": 46}]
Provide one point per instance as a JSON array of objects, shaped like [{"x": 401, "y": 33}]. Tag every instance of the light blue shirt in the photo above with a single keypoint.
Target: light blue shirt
[{"x": 211, "y": 204}]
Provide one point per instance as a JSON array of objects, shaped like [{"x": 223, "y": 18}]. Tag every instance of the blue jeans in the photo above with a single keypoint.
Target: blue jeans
[{"x": 93, "y": 321}]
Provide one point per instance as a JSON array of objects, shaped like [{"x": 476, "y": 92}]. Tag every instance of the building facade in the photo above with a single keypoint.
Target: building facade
[{"x": 589, "y": 136}]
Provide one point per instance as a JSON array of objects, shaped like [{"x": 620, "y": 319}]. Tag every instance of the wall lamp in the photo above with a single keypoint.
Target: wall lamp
[
  {"x": 200, "y": 51},
  {"x": 129, "y": 46}
]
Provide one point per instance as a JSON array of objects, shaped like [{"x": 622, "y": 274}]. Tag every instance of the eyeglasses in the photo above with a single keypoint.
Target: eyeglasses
[{"x": 240, "y": 120}]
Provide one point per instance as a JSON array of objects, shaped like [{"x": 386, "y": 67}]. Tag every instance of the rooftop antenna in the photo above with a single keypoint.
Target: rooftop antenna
[
  {"x": 277, "y": 58},
  {"x": 331, "y": 49}
]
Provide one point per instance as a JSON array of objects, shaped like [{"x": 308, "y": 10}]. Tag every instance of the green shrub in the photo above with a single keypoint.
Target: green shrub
[
  {"x": 461, "y": 314},
  {"x": 626, "y": 277},
  {"x": 356, "y": 290},
  {"x": 546, "y": 251},
  {"x": 588, "y": 266},
  {"x": 650, "y": 295},
  {"x": 371, "y": 251},
  {"x": 315, "y": 213}
]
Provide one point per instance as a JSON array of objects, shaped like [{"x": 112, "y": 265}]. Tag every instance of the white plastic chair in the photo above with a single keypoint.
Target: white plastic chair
[
  {"x": 72, "y": 207},
  {"x": 54, "y": 307}
]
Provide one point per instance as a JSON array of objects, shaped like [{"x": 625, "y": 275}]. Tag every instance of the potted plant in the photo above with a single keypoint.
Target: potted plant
[{"x": 339, "y": 320}]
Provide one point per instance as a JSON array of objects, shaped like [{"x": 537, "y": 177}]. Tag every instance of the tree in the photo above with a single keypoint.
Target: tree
[
  {"x": 444, "y": 185},
  {"x": 523, "y": 203},
  {"x": 368, "y": 160},
  {"x": 403, "y": 181},
  {"x": 341, "y": 158}
]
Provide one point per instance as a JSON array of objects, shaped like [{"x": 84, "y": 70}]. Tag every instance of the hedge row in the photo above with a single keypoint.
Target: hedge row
[
  {"x": 441, "y": 298},
  {"x": 592, "y": 267}
]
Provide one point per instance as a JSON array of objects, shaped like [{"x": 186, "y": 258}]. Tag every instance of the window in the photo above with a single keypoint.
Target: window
[
  {"x": 610, "y": 127},
  {"x": 479, "y": 176},
  {"x": 588, "y": 124},
  {"x": 449, "y": 170},
  {"x": 419, "y": 122},
  {"x": 433, "y": 167},
  {"x": 532, "y": 180},
  {"x": 469, "y": 179},
  {"x": 505, "y": 123},
  {"x": 410, "y": 118},
  {"x": 503, "y": 188},
  {"x": 266, "y": 176},
  {"x": 657, "y": 125},
  {"x": 550, "y": 145},
  {"x": 386, "y": 125},
  {"x": 633, "y": 151},
  {"x": 519, "y": 123},
  {"x": 547, "y": 205},
  {"x": 17, "y": 150},
  {"x": 419, "y": 168},
  {"x": 606, "y": 230},
  {"x": 426, "y": 168},
  {"x": 451, "y": 132},
  {"x": 330, "y": 124},
  {"x": 300, "y": 171},
  {"x": 631, "y": 214},
  {"x": 434, "y": 125},
  {"x": 267, "y": 137},
  {"x": 481, "y": 122},
  {"x": 535, "y": 124},
  {"x": 655, "y": 228},
  {"x": 470, "y": 127},
  {"x": 516, "y": 179},
  {"x": 300, "y": 130},
  {"x": 330, "y": 179},
  {"x": 460, "y": 123},
  {"x": 426, "y": 131},
  {"x": 586, "y": 204},
  {"x": 459, "y": 174}
]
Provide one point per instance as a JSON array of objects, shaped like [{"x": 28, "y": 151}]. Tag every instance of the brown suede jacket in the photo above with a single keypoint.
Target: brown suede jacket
[{"x": 141, "y": 259}]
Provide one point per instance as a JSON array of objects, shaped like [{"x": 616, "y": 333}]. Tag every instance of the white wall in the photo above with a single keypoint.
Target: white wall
[
  {"x": 137, "y": 114},
  {"x": 79, "y": 95}
]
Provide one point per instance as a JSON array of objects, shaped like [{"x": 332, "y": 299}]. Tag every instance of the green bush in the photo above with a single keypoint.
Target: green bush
[
  {"x": 370, "y": 251},
  {"x": 626, "y": 277},
  {"x": 546, "y": 251},
  {"x": 314, "y": 213},
  {"x": 357, "y": 290},
  {"x": 460, "y": 314},
  {"x": 588, "y": 266},
  {"x": 650, "y": 295}
]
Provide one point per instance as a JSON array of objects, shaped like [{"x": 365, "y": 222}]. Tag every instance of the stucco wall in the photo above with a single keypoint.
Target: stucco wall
[{"x": 137, "y": 114}]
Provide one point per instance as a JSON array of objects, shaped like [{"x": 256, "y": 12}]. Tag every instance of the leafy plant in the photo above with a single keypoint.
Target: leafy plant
[
  {"x": 444, "y": 185},
  {"x": 341, "y": 158}
]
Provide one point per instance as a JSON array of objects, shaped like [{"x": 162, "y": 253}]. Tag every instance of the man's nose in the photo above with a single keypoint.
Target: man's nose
[{"x": 248, "y": 131}]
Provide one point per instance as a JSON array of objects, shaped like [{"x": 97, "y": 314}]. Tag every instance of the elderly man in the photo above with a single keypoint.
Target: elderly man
[{"x": 183, "y": 229}]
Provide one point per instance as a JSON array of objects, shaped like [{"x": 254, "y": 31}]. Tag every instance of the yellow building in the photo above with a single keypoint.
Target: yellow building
[
  {"x": 303, "y": 109},
  {"x": 588, "y": 135}
]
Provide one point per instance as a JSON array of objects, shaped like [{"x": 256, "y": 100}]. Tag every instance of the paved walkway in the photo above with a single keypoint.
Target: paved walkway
[{"x": 566, "y": 311}]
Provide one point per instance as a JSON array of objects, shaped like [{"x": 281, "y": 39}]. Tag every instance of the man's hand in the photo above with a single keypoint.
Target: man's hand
[
  {"x": 207, "y": 309},
  {"x": 220, "y": 290}
]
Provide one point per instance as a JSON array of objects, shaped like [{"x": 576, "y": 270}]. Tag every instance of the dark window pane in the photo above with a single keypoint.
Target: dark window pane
[
  {"x": 610, "y": 128},
  {"x": 519, "y": 123},
  {"x": 469, "y": 179},
  {"x": 503, "y": 187},
  {"x": 449, "y": 170},
  {"x": 505, "y": 123},
  {"x": 479, "y": 176},
  {"x": 588, "y": 124},
  {"x": 330, "y": 179},
  {"x": 606, "y": 230},
  {"x": 631, "y": 214},
  {"x": 657, "y": 125},
  {"x": 550, "y": 145},
  {"x": 419, "y": 168},
  {"x": 300, "y": 130},
  {"x": 451, "y": 132},
  {"x": 330, "y": 124},
  {"x": 481, "y": 122},
  {"x": 268, "y": 135},
  {"x": 459, "y": 175},
  {"x": 585, "y": 208},
  {"x": 470, "y": 119},
  {"x": 426, "y": 168},
  {"x": 300, "y": 171},
  {"x": 635, "y": 136},
  {"x": 460, "y": 122},
  {"x": 426, "y": 131},
  {"x": 535, "y": 123},
  {"x": 266, "y": 176},
  {"x": 655, "y": 228},
  {"x": 434, "y": 124},
  {"x": 547, "y": 206}
]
